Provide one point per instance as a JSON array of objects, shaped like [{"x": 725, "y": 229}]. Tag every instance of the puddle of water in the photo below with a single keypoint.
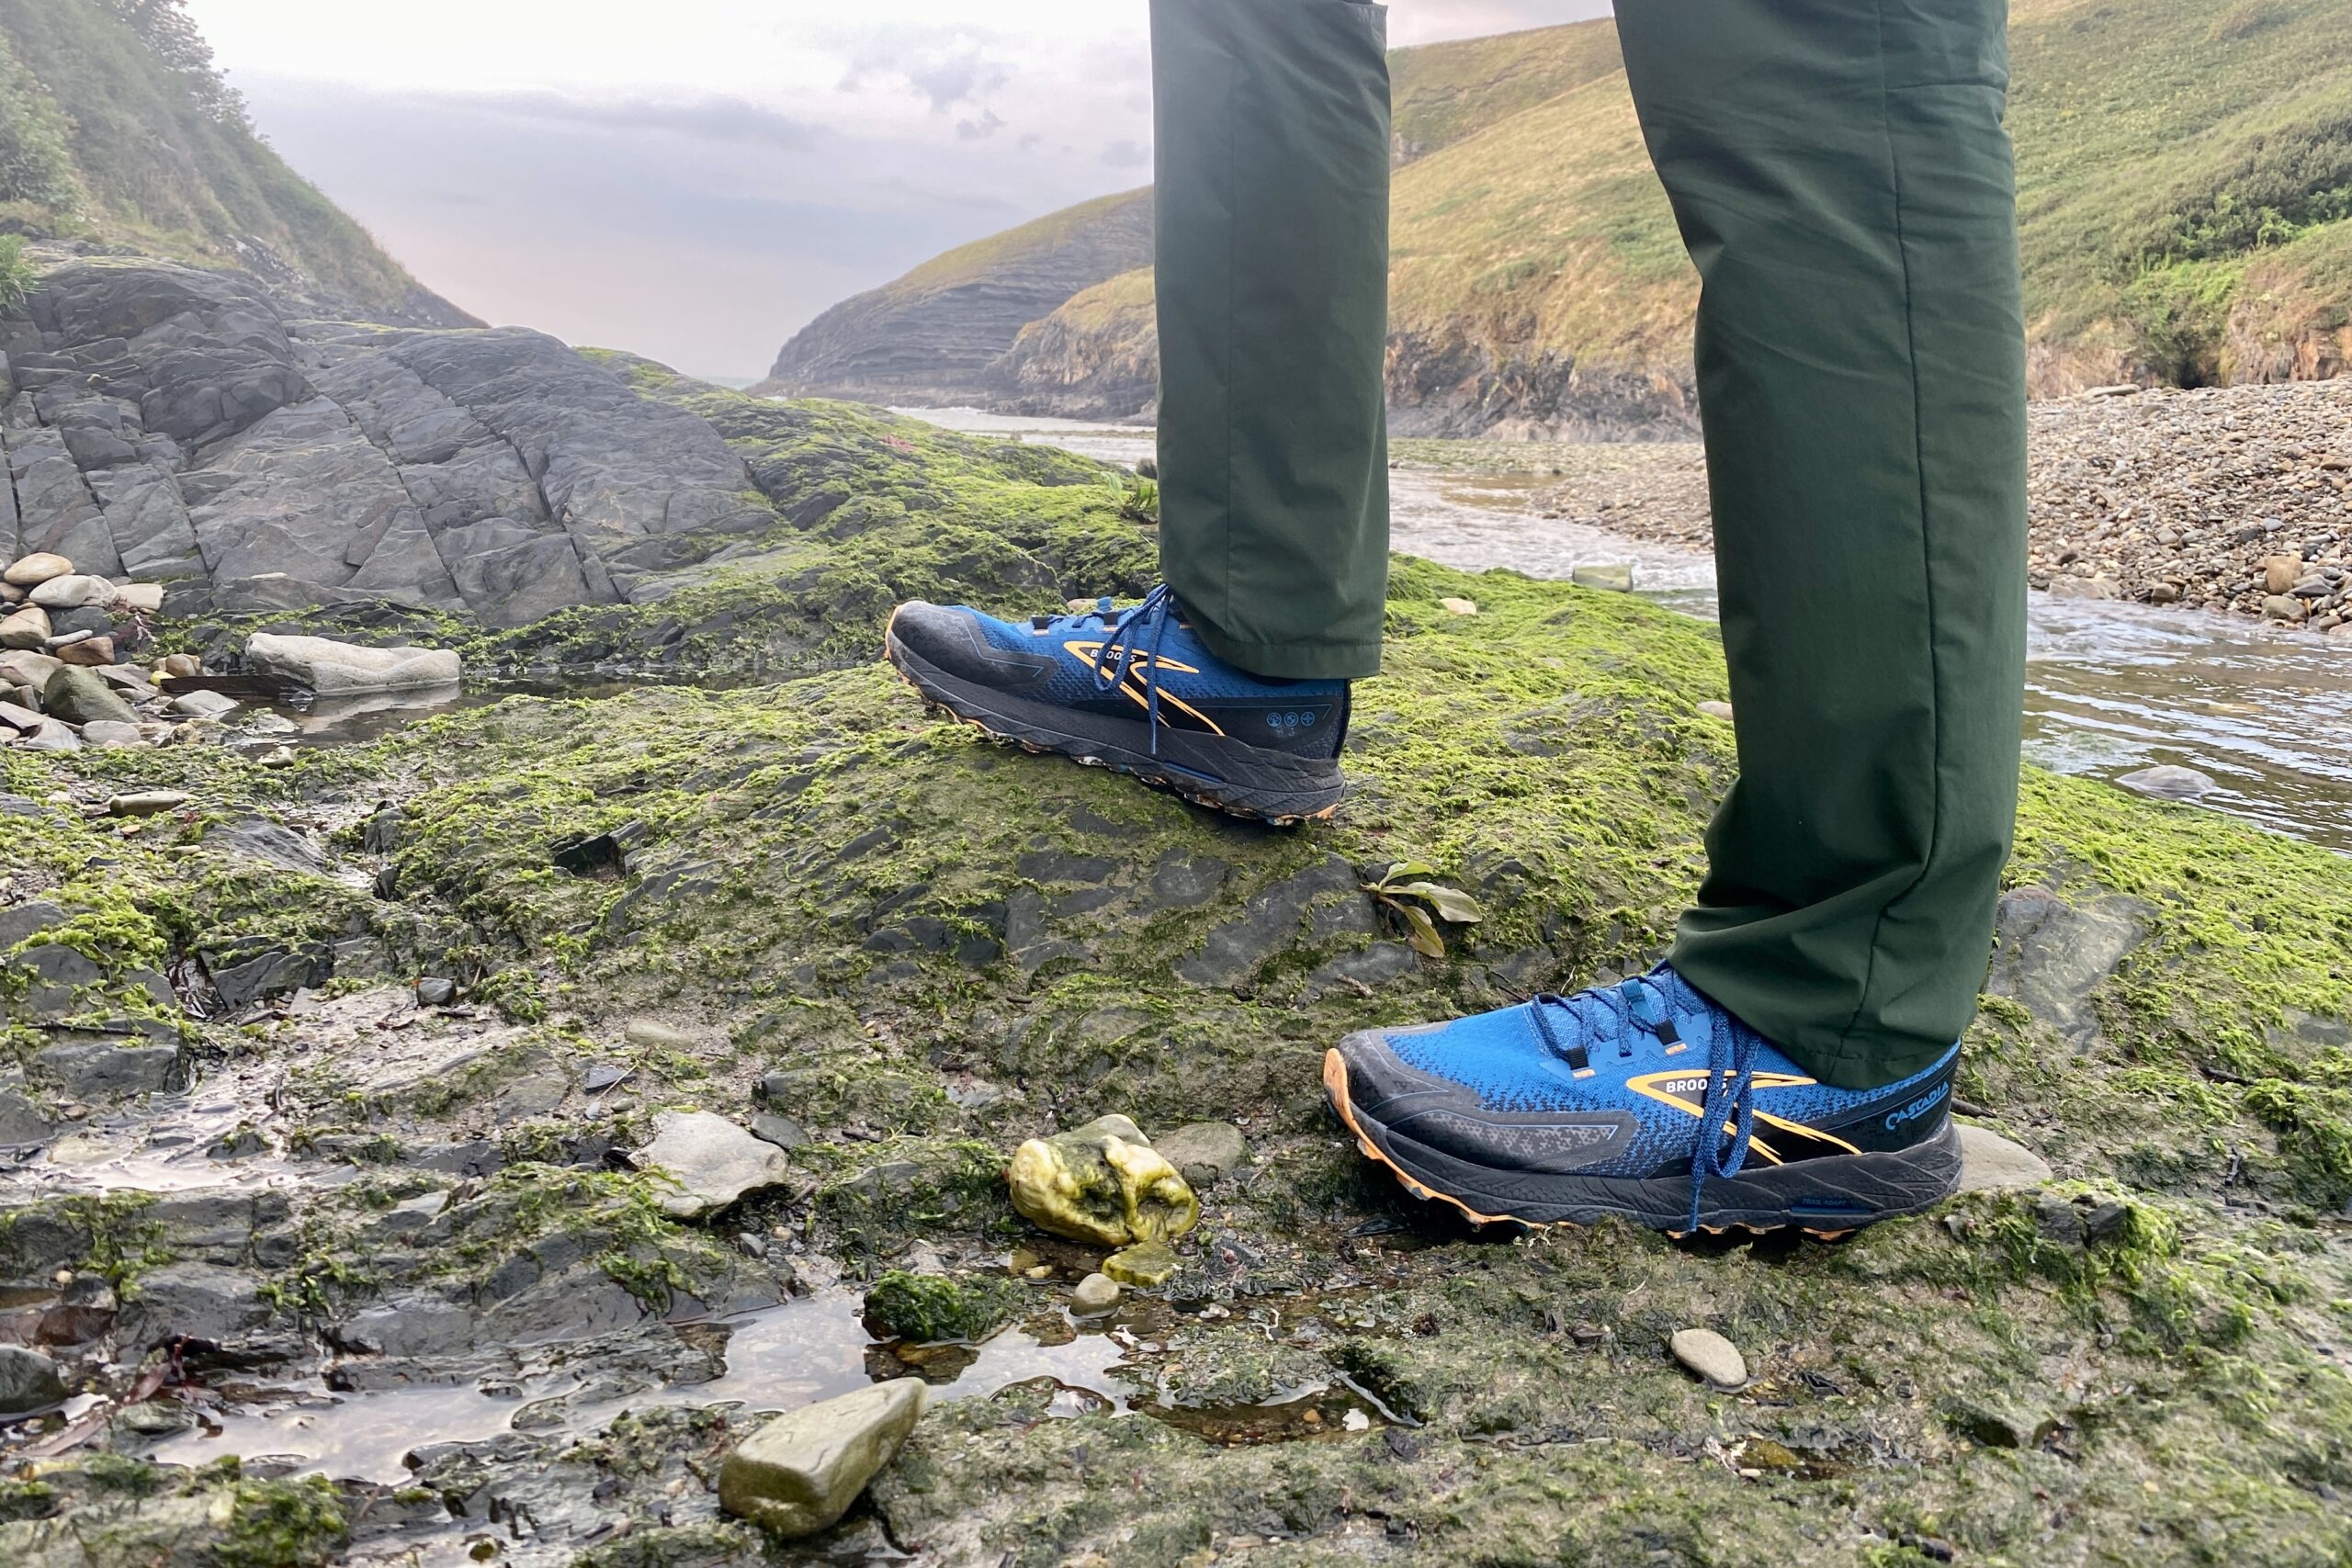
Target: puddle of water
[
  {"x": 776, "y": 1360},
  {"x": 2111, "y": 688}
]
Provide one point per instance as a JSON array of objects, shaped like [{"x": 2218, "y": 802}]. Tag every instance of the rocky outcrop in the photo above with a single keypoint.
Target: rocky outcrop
[
  {"x": 1097, "y": 356},
  {"x": 931, "y": 336},
  {"x": 176, "y": 425}
]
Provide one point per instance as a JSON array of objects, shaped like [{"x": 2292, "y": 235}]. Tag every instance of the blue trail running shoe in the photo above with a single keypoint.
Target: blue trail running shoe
[
  {"x": 1136, "y": 690},
  {"x": 1645, "y": 1100}
]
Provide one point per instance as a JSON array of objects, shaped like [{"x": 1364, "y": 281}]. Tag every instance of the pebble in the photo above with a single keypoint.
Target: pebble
[
  {"x": 107, "y": 732},
  {"x": 181, "y": 666},
  {"x": 1991, "y": 1163},
  {"x": 645, "y": 1031},
  {"x": 203, "y": 705},
  {"x": 1614, "y": 578},
  {"x": 140, "y": 598},
  {"x": 1711, "y": 1355},
  {"x": 1096, "y": 1294},
  {"x": 32, "y": 570},
  {"x": 436, "y": 991},
  {"x": 781, "y": 1131},
  {"x": 1461, "y": 606},
  {"x": 1717, "y": 710},
  {"x": 2168, "y": 781},
  {"x": 800, "y": 1473},
  {"x": 91, "y": 652}
]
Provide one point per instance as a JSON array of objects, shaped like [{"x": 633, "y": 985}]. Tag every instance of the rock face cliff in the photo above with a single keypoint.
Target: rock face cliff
[
  {"x": 931, "y": 337},
  {"x": 182, "y": 427}
]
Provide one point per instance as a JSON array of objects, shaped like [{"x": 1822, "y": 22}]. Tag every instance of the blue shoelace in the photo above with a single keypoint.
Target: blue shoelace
[
  {"x": 1119, "y": 650},
  {"x": 1621, "y": 1014}
]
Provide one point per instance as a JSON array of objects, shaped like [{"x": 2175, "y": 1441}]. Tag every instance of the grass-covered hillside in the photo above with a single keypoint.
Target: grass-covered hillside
[
  {"x": 114, "y": 128},
  {"x": 2185, "y": 169}
]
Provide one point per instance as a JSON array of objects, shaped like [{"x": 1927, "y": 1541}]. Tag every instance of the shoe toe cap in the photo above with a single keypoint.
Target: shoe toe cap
[{"x": 1378, "y": 1076}]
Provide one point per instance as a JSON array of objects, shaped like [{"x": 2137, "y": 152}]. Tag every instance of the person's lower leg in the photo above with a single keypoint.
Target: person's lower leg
[
  {"x": 1841, "y": 175},
  {"x": 1272, "y": 275}
]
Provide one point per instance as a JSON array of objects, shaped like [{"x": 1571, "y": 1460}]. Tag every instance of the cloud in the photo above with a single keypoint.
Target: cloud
[
  {"x": 1125, "y": 153},
  {"x": 735, "y": 121},
  {"x": 987, "y": 124}
]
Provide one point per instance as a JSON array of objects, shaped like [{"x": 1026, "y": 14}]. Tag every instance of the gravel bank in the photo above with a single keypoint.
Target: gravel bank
[{"x": 2234, "y": 500}]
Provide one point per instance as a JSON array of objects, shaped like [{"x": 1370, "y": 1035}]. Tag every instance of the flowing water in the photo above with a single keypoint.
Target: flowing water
[{"x": 2110, "y": 688}]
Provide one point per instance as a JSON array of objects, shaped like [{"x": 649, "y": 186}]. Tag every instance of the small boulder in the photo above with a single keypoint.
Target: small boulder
[
  {"x": 1990, "y": 1162},
  {"x": 146, "y": 803},
  {"x": 31, "y": 571},
  {"x": 799, "y": 1473},
  {"x": 781, "y": 1131},
  {"x": 1205, "y": 1151},
  {"x": 29, "y": 1381},
  {"x": 90, "y": 652},
  {"x": 110, "y": 732},
  {"x": 27, "y": 630},
  {"x": 82, "y": 696},
  {"x": 1711, "y": 1355},
  {"x": 335, "y": 669},
  {"x": 2167, "y": 781},
  {"x": 436, "y": 991},
  {"x": 203, "y": 705},
  {"x": 28, "y": 669},
  {"x": 181, "y": 666},
  {"x": 54, "y": 734},
  {"x": 1717, "y": 710},
  {"x": 931, "y": 1309},
  {"x": 1614, "y": 578},
  {"x": 1460, "y": 606},
  {"x": 140, "y": 598},
  {"x": 1102, "y": 1183},
  {"x": 713, "y": 1161},
  {"x": 72, "y": 591}
]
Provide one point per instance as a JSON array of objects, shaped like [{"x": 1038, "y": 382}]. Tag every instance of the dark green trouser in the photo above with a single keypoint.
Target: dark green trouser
[
  {"x": 1272, "y": 252},
  {"x": 1843, "y": 183}
]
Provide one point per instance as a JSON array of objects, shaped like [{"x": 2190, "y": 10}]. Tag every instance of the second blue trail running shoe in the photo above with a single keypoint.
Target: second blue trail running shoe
[
  {"x": 1645, "y": 1100},
  {"x": 1136, "y": 690}
]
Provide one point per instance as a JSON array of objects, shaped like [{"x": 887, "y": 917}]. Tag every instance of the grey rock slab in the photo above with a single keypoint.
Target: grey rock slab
[
  {"x": 196, "y": 1301},
  {"x": 338, "y": 669},
  {"x": 781, "y": 1131},
  {"x": 1278, "y": 918},
  {"x": 1205, "y": 1151},
  {"x": 2051, "y": 956},
  {"x": 713, "y": 1161},
  {"x": 22, "y": 1124},
  {"x": 1714, "y": 1358},
  {"x": 257, "y": 838},
  {"x": 800, "y": 1473},
  {"x": 83, "y": 696},
  {"x": 95, "y": 1070},
  {"x": 1991, "y": 1163},
  {"x": 52, "y": 735},
  {"x": 29, "y": 1381}
]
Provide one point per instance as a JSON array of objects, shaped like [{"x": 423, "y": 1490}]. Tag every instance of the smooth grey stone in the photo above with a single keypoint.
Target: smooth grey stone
[
  {"x": 29, "y": 1381},
  {"x": 800, "y": 1473}
]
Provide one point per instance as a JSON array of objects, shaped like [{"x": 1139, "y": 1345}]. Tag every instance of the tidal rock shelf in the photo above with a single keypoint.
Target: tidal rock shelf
[{"x": 889, "y": 954}]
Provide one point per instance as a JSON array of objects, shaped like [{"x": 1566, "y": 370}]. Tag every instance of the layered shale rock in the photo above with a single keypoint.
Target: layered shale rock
[{"x": 177, "y": 426}]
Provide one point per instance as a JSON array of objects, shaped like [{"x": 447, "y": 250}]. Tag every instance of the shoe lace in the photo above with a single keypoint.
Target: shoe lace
[
  {"x": 1624, "y": 1013},
  {"x": 1118, "y": 654}
]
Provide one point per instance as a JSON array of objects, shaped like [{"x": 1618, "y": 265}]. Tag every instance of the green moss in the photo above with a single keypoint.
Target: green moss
[
  {"x": 281, "y": 1524},
  {"x": 931, "y": 1309}
]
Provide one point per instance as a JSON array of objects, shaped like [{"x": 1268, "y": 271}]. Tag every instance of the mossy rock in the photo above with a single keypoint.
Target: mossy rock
[{"x": 930, "y": 1309}]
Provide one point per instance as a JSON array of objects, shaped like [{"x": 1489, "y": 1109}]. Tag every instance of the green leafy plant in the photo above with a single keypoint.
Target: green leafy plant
[
  {"x": 16, "y": 274},
  {"x": 1404, "y": 890},
  {"x": 1139, "y": 501}
]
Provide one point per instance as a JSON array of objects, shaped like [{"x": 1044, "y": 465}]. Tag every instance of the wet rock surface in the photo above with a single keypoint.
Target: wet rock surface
[{"x": 800, "y": 1473}]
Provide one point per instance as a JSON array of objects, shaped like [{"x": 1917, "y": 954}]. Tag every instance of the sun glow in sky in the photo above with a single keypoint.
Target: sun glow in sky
[{"x": 695, "y": 178}]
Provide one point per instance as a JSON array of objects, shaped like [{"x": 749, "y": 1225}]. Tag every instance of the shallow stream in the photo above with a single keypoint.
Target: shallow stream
[{"x": 2110, "y": 688}]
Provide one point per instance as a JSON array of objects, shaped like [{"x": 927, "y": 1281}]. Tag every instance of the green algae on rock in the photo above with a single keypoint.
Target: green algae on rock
[
  {"x": 930, "y": 1310},
  {"x": 1102, "y": 1182}
]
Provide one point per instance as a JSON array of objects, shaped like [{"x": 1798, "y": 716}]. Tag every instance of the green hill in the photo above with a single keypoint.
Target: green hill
[
  {"x": 2185, "y": 173},
  {"x": 115, "y": 131}
]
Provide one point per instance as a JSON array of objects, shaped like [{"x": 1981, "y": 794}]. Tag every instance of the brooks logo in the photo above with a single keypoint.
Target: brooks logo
[{"x": 1918, "y": 1106}]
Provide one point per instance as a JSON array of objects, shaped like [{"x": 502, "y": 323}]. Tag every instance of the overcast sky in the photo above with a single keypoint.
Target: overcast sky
[{"x": 693, "y": 179}]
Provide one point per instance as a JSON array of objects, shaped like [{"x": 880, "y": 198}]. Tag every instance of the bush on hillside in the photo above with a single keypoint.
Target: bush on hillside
[
  {"x": 16, "y": 274},
  {"x": 34, "y": 166}
]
